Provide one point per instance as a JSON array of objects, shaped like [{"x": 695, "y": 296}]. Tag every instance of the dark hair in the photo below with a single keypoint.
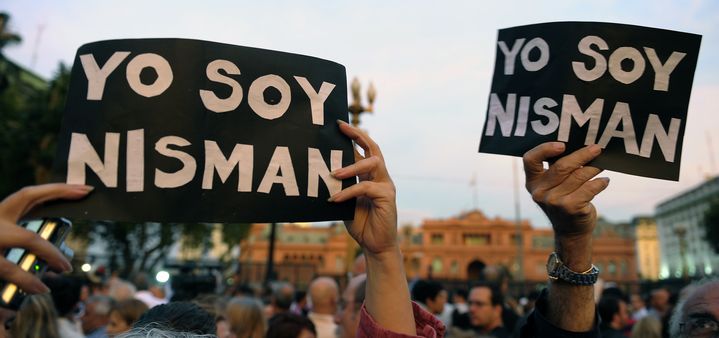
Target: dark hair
[
  {"x": 180, "y": 317},
  {"x": 615, "y": 292},
  {"x": 607, "y": 307},
  {"x": 497, "y": 298},
  {"x": 283, "y": 296},
  {"x": 65, "y": 292},
  {"x": 288, "y": 325},
  {"x": 461, "y": 292},
  {"x": 426, "y": 289}
]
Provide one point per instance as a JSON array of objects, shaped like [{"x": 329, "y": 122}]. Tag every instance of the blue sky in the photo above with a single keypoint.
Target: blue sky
[{"x": 431, "y": 63}]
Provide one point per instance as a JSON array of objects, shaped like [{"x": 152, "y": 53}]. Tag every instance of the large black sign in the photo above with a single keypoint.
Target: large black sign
[
  {"x": 623, "y": 87},
  {"x": 195, "y": 131}
]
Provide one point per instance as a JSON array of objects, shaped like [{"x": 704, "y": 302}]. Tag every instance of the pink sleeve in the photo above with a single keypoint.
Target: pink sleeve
[{"x": 427, "y": 325}]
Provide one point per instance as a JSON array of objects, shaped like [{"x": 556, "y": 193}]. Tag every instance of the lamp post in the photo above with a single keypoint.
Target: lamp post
[
  {"x": 681, "y": 233},
  {"x": 356, "y": 108}
]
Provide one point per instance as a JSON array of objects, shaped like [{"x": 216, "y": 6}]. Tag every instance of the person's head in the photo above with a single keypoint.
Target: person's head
[
  {"x": 613, "y": 312},
  {"x": 178, "y": 317},
  {"x": 647, "y": 327},
  {"x": 244, "y": 317},
  {"x": 485, "y": 307},
  {"x": 459, "y": 296},
  {"x": 697, "y": 314},
  {"x": 36, "y": 317},
  {"x": 141, "y": 281},
  {"x": 324, "y": 295},
  {"x": 431, "y": 294},
  {"x": 282, "y": 297},
  {"x": 348, "y": 315},
  {"x": 290, "y": 325},
  {"x": 156, "y": 332},
  {"x": 660, "y": 299},
  {"x": 124, "y": 314},
  {"x": 637, "y": 302},
  {"x": 97, "y": 313},
  {"x": 120, "y": 290},
  {"x": 65, "y": 293}
]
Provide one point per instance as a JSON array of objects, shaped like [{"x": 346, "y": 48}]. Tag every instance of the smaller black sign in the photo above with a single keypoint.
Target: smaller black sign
[{"x": 625, "y": 88}]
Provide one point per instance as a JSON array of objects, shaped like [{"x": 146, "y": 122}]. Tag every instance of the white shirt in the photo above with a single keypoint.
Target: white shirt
[
  {"x": 68, "y": 329},
  {"x": 324, "y": 324}
]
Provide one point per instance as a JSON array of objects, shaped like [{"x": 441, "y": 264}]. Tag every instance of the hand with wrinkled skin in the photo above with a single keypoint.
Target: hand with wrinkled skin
[
  {"x": 566, "y": 189},
  {"x": 374, "y": 227},
  {"x": 12, "y": 209},
  {"x": 375, "y": 223}
]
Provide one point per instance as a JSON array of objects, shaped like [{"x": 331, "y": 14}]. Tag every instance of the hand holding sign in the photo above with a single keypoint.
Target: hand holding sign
[{"x": 375, "y": 222}]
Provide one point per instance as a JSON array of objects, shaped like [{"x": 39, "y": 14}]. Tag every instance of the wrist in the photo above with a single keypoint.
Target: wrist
[
  {"x": 575, "y": 251},
  {"x": 388, "y": 257}
]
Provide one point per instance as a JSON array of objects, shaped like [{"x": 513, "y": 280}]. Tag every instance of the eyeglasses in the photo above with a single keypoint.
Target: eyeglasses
[
  {"x": 700, "y": 327},
  {"x": 477, "y": 303}
]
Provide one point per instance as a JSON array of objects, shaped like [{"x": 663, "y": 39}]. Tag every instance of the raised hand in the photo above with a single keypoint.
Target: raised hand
[
  {"x": 375, "y": 223},
  {"x": 14, "y": 236}
]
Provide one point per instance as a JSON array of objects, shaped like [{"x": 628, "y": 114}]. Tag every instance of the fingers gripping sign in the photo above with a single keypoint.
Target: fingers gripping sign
[
  {"x": 565, "y": 190},
  {"x": 375, "y": 224}
]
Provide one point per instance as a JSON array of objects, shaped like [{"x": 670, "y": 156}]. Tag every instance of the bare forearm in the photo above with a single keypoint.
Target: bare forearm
[
  {"x": 571, "y": 307},
  {"x": 387, "y": 296}
]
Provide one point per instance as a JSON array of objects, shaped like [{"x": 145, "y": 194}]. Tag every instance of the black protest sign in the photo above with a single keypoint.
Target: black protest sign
[
  {"x": 181, "y": 130},
  {"x": 623, "y": 87}
]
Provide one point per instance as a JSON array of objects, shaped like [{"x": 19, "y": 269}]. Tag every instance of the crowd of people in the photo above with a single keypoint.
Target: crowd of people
[{"x": 377, "y": 301}]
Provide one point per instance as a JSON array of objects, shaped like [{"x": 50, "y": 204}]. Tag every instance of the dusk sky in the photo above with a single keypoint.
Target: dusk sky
[{"x": 431, "y": 63}]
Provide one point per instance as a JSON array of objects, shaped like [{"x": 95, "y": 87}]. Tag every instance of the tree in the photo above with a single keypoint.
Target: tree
[{"x": 711, "y": 224}]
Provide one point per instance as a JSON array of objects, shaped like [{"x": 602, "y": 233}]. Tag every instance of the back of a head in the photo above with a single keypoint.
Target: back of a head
[
  {"x": 324, "y": 294},
  {"x": 35, "y": 318},
  {"x": 647, "y": 327},
  {"x": 121, "y": 290},
  {"x": 142, "y": 332},
  {"x": 283, "y": 294},
  {"x": 425, "y": 289},
  {"x": 102, "y": 304},
  {"x": 245, "y": 318},
  {"x": 141, "y": 281},
  {"x": 65, "y": 292},
  {"x": 178, "y": 317},
  {"x": 289, "y": 325},
  {"x": 607, "y": 307},
  {"x": 130, "y": 310}
]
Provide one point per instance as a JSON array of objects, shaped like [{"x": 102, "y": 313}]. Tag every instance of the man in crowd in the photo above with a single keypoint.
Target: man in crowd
[
  {"x": 615, "y": 317},
  {"x": 430, "y": 295},
  {"x": 324, "y": 296},
  {"x": 697, "y": 314},
  {"x": 96, "y": 316},
  {"x": 348, "y": 316},
  {"x": 485, "y": 311}
]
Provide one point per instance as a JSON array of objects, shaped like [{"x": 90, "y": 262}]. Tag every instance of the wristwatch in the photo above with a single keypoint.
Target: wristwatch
[{"x": 558, "y": 271}]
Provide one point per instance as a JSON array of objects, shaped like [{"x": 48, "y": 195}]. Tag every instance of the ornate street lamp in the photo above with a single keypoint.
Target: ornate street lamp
[{"x": 356, "y": 108}]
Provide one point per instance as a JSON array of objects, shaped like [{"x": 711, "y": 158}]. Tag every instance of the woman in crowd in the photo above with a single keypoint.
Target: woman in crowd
[
  {"x": 36, "y": 318},
  {"x": 244, "y": 317},
  {"x": 124, "y": 314}
]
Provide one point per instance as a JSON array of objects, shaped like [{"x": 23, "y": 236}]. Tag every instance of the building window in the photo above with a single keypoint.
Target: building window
[
  {"x": 516, "y": 239},
  {"x": 437, "y": 239},
  {"x": 623, "y": 268},
  {"x": 542, "y": 242},
  {"x": 454, "y": 268},
  {"x": 476, "y": 239},
  {"x": 612, "y": 268},
  {"x": 437, "y": 265}
]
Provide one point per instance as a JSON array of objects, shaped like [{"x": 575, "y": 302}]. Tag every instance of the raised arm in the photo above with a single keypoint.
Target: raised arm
[
  {"x": 375, "y": 229},
  {"x": 564, "y": 192}
]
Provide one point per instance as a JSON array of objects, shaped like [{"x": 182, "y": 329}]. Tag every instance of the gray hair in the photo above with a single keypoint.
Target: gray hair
[
  {"x": 153, "y": 332},
  {"x": 677, "y": 317}
]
